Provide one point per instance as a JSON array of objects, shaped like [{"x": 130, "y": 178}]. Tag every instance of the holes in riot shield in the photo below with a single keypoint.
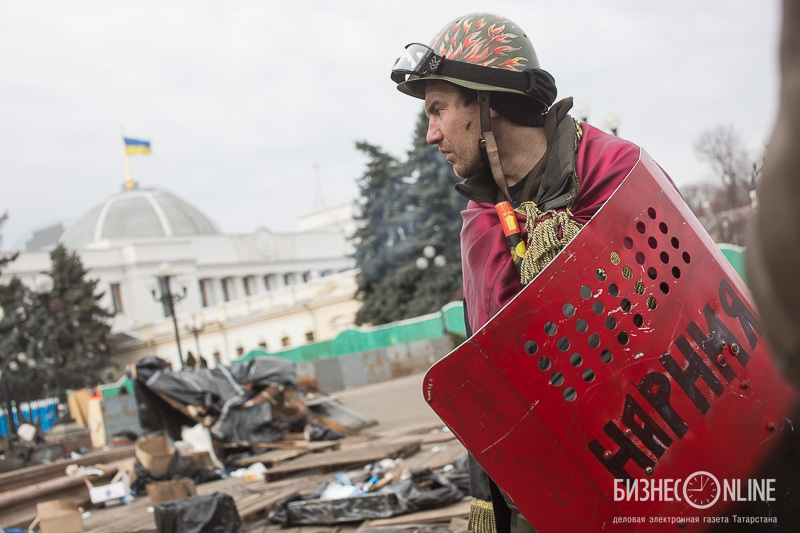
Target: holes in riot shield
[
  {"x": 550, "y": 328},
  {"x": 557, "y": 379},
  {"x": 664, "y": 287},
  {"x": 652, "y": 243},
  {"x": 569, "y": 310},
  {"x": 581, "y": 325},
  {"x": 652, "y": 273},
  {"x": 663, "y": 228},
  {"x": 615, "y": 255},
  {"x": 638, "y": 320},
  {"x": 606, "y": 356},
  {"x": 563, "y": 344},
  {"x": 639, "y": 287},
  {"x": 640, "y": 227},
  {"x": 531, "y": 347},
  {"x": 586, "y": 292},
  {"x": 640, "y": 258},
  {"x": 594, "y": 340},
  {"x": 676, "y": 272},
  {"x": 598, "y": 308},
  {"x": 613, "y": 290},
  {"x": 588, "y": 375},
  {"x": 575, "y": 360},
  {"x": 570, "y": 394},
  {"x": 686, "y": 258},
  {"x": 664, "y": 257},
  {"x": 601, "y": 274},
  {"x": 625, "y": 305},
  {"x": 651, "y": 213},
  {"x": 623, "y": 338},
  {"x": 651, "y": 303},
  {"x": 627, "y": 273},
  {"x": 611, "y": 323},
  {"x": 627, "y": 242},
  {"x": 543, "y": 363},
  {"x": 675, "y": 243}
]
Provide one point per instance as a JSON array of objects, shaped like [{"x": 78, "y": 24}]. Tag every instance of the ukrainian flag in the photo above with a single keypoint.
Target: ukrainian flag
[{"x": 136, "y": 147}]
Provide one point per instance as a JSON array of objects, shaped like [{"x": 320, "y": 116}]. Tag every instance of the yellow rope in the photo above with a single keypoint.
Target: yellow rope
[
  {"x": 544, "y": 241},
  {"x": 481, "y": 517}
]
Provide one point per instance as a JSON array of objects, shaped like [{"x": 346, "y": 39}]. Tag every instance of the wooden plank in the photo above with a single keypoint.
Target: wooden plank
[
  {"x": 272, "y": 457},
  {"x": 29, "y": 475},
  {"x": 343, "y": 458},
  {"x": 443, "y": 514}
]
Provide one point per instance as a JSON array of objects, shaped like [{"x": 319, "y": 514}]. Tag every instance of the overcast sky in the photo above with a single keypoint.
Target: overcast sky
[{"x": 253, "y": 107}]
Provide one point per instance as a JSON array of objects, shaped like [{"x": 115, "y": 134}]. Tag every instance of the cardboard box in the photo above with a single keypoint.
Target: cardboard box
[
  {"x": 58, "y": 516},
  {"x": 115, "y": 492},
  {"x": 155, "y": 453},
  {"x": 109, "y": 416},
  {"x": 78, "y": 403},
  {"x": 200, "y": 459},
  {"x": 164, "y": 491}
]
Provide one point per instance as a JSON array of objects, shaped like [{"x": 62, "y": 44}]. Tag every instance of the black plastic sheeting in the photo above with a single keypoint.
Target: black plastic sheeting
[
  {"x": 208, "y": 513},
  {"x": 423, "y": 490},
  {"x": 220, "y": 392}
]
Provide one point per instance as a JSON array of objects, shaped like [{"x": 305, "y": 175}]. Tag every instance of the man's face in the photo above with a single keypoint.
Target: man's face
[{"x": 454, "y": 127}]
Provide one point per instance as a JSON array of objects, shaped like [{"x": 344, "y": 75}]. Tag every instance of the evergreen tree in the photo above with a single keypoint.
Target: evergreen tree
[
  {"x": 82, "y": 326},
  {"x": 381, "y": 238},
  {"x": 406, "y": 207},
  {"x": 68, "y": 323},
  {"x": 438, "y": 224}
]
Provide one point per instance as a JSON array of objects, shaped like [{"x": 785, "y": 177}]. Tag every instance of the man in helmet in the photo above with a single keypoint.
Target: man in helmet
[{"x": 492, "y": 113}]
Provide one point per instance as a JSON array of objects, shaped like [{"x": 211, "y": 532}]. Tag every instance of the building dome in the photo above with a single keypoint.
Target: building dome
[{"x": 135, "y": 213}]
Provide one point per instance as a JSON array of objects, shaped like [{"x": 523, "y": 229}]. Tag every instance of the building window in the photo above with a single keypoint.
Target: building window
[
  {"x": 263, "y": 345},
  {"x": 249, "y": 286},
  {"x": 116, "y": 298},
  {"x": 227, "y": 289},
  {"x": 204, "y": 299},
  {"x": 269, "y": 282},
  {"x": 309, "y": 336},
  {"x": 217, "y": 357},
  {"x": 306, "y": 277},
  {"x": 239, "y": 350},
  {"x": 285, "y": 340},
  {"x": 288, "y": 279}
]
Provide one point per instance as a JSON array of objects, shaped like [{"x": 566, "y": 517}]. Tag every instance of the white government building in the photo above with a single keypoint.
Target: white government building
[{"x": 264, "y": 289}]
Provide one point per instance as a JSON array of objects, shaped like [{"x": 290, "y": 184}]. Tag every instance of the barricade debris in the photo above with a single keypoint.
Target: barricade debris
[
  {"x": 385, "y": 489},
  {"x": 248, "y": 403}
]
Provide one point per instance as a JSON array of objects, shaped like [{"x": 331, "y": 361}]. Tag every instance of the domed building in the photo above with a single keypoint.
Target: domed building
[
  {"x": 233, "y": 293},
  {"x": 138, "y": 213}
]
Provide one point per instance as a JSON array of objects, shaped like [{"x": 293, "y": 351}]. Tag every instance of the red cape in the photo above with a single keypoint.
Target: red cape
[{"x": 490, "y": 279}]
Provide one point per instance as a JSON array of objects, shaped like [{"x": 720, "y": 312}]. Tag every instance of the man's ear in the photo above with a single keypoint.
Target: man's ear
[{"x": 493, "y": 114}]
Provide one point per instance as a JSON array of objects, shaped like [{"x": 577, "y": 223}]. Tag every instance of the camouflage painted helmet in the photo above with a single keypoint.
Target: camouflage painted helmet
[{"x": 480, "y": 51}]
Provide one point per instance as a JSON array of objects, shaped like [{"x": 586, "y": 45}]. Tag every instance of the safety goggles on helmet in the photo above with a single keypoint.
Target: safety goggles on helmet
[{"x": 419, "y": 60}]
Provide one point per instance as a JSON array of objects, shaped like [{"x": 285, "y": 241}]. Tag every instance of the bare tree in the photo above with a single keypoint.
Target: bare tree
[{"x": 723, "y": 149}]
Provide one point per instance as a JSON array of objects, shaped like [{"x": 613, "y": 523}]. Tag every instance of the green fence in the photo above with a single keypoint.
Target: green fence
[{"x": 450, "y": 320}]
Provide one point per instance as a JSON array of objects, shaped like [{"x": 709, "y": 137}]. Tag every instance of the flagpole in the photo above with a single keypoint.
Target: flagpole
[{"x": 128, "y": 179}]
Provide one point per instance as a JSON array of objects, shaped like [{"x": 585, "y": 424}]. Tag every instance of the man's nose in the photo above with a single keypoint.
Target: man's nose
[{"x": 434, "y": 133}]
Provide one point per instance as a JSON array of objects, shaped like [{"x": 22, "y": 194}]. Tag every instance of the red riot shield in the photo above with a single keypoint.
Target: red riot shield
[{"x": 634, "y": 362}]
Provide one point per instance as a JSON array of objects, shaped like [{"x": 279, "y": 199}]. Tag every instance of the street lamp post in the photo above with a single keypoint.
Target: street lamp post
[
  {"x": 196, "y": 329},
  {"x": 168, "y": 300},
  {"x": 43, "y": 285},
  {"x": 612, "y": 122}
]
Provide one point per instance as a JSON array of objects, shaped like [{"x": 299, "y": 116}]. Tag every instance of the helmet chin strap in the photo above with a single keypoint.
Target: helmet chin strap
[
  {"x": 489, "y": 145},
  {"x": 505, "y": 211}
]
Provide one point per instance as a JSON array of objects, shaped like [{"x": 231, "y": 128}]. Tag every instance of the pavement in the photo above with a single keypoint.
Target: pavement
[{"x": 397, "y": 404}]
